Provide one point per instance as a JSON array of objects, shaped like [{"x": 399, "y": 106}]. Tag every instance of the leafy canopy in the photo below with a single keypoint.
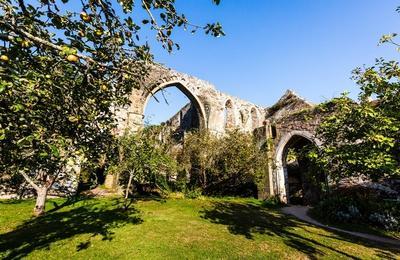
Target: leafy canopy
[
  {"x": 362, "y": 138},
  {"x": 66, "y": 66}
]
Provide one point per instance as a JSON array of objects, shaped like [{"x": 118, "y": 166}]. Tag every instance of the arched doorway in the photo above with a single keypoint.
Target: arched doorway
[{"x": 297, "y": 180}]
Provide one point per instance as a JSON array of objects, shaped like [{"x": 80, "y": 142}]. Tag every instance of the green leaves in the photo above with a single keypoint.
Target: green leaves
[
  {"x": 63, "y": 68},
  {"x": 362, "y": 138},
  {"x": 73, "y": 119},
  {"x": 214, "y": 29},
  {"x": 2, "y": 88},
  {"x": 387, "y": 38},
  {"x": 54, "y": 150},
  {"x": 17, "y": 107},
  {"x": 222, "y": 163}
]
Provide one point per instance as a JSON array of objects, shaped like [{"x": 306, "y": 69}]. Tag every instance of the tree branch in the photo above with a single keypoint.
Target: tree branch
[
  {"x": 6, "y": 37},
  {"x": 51, "y": 45},
  {"x": 41, "y": 41},
  {"x": 23, "y": 7},
  {"x": 30, "y": 181},
  {"x": 151, "y": 15},
  {"x": 52, "y": 180}
]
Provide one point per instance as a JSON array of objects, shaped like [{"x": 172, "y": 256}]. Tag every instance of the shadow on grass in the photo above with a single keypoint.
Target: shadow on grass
[
  {"x": 89, "y": 217},
  {"x": 250, "y": 219},
  {"x": 11, "y": 201}
]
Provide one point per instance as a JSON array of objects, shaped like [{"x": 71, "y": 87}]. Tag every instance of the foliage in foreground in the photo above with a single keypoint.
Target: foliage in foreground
[
  {"x": 65, "y": 66},
  {"x": 361, "y": 139}
]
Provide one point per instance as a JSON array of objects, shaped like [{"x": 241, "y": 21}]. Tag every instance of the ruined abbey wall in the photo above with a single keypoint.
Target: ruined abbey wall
[{"x": 218, "y": 112}]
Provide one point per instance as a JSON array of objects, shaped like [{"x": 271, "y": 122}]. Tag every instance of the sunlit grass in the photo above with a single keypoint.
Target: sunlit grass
[{"x": 169, "y": 229}]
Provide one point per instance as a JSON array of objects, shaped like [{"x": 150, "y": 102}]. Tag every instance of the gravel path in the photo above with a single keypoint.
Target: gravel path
[{"x": 301, "y": 213}]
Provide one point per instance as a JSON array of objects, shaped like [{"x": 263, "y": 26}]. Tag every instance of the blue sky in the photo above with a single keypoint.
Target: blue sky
[{"x": 309, "y": 46}]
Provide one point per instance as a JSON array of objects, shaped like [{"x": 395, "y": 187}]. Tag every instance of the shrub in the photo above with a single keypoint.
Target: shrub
[
  {"x": 272, "y": 202},
  {"x": 232, "y": 165},
  {"x": 142, "y": 162},
  {"x": 359, "y": 210},
  {"x": 193, "y": 193},
  {"x": 386, "y": 220}
]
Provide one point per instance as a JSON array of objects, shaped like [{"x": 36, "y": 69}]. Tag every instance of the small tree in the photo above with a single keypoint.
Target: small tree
[
  {"x": 198, "y": 155},
  {"x": 142, "y": 160},
  {"x": 240, "y": 166},
  {"x": 358, "y": 139}
]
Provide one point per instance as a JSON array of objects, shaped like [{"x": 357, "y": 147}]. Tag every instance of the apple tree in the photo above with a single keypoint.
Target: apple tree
[{"x": 64, "y": 67}]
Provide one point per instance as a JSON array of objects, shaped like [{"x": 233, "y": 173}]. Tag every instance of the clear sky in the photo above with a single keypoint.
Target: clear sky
[{"x": 309, "y": 46}]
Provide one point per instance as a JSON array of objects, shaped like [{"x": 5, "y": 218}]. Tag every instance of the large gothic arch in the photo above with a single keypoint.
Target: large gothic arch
[
  {"x": 208, "y": 101},
  {"x": 195, "y": 101}
]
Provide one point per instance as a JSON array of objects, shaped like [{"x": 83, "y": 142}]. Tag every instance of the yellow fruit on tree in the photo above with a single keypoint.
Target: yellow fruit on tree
[
  {"x": 4, "y": 58},
  {"x": 25, "y": 44},
  {"x": 72, "y": 58},
  {"x": 85, "y": 17},
  {"x": 119, "y": 40}
]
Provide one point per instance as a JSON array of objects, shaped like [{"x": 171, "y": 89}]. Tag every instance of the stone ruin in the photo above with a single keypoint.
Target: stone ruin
[{"x": 283, "y": 123}]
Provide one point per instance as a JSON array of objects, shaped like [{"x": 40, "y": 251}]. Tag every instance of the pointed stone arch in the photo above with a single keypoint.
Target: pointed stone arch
[
  {"x": 140, "y": 98},
  {"x": 229, "y": 115},
  {"x": 243, "y": 118},
  {"x": 186, "y": 91},
  {"x": 255, "y": 119}
]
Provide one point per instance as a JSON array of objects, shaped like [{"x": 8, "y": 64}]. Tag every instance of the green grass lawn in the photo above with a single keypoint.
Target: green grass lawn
[{"x": 169, "y": 229}]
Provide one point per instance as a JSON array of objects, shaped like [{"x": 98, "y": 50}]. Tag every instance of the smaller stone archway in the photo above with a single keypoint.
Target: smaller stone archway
[
  {"x": 282, "y": 181},
  {"x": 255, "y": 119},
  {"x": 229, "y": 115},
  {"x": 243, "y": 118}
]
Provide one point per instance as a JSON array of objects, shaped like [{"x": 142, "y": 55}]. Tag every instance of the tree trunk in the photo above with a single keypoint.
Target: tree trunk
[
  {"x": 126, "y": 205},
  {"x": 41, "y": 192},
  {"x": 40, "y": 201},
  {"x": 204, "y": 173},
  {"x": 129, "y": 185}
]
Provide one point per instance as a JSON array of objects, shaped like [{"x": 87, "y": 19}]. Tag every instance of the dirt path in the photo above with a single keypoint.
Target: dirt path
[{"x": 300, "y": 212}]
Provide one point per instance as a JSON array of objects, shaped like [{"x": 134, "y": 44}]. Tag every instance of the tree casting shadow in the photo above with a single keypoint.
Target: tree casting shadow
[
  {"x": 248, "y": 219},
  {"x": 92, "y": 217}
]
